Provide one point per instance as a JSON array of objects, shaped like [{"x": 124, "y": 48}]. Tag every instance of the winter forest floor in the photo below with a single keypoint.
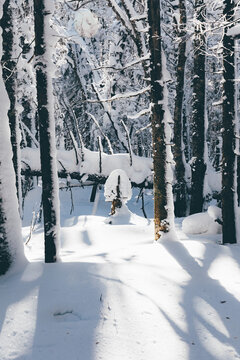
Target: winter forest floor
[{"x": 116, "y": 295}]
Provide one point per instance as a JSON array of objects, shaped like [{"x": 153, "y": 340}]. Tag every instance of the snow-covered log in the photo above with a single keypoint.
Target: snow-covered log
[{"x": 140, "y": 173}]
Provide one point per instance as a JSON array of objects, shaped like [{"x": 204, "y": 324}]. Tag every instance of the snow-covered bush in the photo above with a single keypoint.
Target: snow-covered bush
[
  {"x": 118, "y": 185},
  {"x": 118, "y": 190},
  {"x": 207, "y": 222}
]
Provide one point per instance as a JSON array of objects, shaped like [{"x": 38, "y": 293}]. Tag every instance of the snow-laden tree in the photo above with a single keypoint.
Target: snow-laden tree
[
  {"x": 50, "y": 187},
  {"x": 11, "y": 243}
]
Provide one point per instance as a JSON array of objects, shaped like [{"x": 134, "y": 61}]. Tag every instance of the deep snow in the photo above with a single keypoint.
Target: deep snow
[{"x": 117, "y": 294}]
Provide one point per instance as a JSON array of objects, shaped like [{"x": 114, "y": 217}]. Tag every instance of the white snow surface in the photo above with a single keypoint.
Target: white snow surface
[{"x": 117, "y": 295}]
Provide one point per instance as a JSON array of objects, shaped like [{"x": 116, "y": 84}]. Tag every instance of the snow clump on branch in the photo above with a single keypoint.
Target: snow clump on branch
[{"x": 86, "y": 23}]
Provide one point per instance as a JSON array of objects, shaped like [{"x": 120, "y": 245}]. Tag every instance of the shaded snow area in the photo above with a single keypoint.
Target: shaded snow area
[{"x": 116, "y": 295}]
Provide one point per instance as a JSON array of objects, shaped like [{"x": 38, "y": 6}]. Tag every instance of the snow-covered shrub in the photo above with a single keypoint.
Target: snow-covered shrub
[
  {"x": 200, "y": 223},
  {"x": 118, "y": 190},
  {"x": 118, "y": 185}
]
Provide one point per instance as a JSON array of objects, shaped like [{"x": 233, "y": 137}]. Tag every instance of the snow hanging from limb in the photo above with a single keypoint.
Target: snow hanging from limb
[{"x": 8, "y": 195}]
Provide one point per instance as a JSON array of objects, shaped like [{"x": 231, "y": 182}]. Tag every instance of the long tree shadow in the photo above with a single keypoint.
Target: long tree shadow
[
  {"x": 204, "y": 299},
  {"x": 49, "y": 308},
  {"x": 14, "y": 310},
  {"x": 68, "y": 312}
]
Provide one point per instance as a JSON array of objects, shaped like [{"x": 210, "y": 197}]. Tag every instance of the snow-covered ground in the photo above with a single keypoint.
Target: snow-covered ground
[{"x": 116, "y": 295}]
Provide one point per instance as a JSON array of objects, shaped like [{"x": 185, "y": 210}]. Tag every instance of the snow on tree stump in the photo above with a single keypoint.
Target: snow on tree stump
[{"x": 118, "y": 191}]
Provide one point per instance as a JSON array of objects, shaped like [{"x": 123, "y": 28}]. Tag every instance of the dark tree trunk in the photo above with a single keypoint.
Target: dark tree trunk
[
  {"x": 11, "y": 245},
  {"x": 157, "y": 120},
  {"x": 5, "y": 254},
  {"x": 47, "y": 137},
  {"x": 9, "y": 76},
  {"x": 180, "y": 188},
  {"x": 228, "y": 155},
  {"x": 198, "y": 112}
]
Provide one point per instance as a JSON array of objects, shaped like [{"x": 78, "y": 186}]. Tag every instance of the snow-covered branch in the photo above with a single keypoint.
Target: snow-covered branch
[{"x": 121, "y": 96}]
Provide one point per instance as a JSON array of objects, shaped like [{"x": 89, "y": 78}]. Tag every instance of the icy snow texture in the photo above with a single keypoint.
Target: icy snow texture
[
  {"x": 201, "y": 223},
  {"x": 110, "y": 189},
  {"x": 86, "y": 23}
]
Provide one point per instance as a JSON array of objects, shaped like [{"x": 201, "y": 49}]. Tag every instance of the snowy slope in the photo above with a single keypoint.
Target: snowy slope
[{"x": 117, "y": 295}]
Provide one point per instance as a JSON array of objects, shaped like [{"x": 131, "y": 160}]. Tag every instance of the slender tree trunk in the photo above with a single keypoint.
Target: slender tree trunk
[
  {"x": 9, "y": 75},
  {"x": 47, "y": 135},
  {"x": 11, "y": 244},
  {"x": 198, "y": 112},
  {"x": 180, "y": 188},
  {"x": 229, "y": 191},
  {"x": 159, "y": 107}
]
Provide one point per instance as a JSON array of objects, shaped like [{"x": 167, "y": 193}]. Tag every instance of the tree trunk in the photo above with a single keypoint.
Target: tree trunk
[
  {"x": 180, "y": 188},
  {"x": 198, "y": 112},
  {"x": 9, "y": 76},
  {"x": 159, "y": 107},
  {"x": 11, "y": 244},
  {"x": 47, "y": 135},
  {"x": 229, "y": 191}
]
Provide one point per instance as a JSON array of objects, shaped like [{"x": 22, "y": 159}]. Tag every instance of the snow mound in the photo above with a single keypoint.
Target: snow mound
[
  {"x": 215, "y": 212},
  {"x": 202, "y": 223},
  {"x": 110, "y": 189},
  {"x": 86, "y": 23},
  {"x": 123, "y": 216}
]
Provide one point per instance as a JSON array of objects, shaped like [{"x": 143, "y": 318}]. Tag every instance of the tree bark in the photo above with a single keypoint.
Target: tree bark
[
  {"x": 9, "y": 77},
  {"x": 47, "y": 136},
  {"x": 157, "y": 120},
  {"x": 11, "y": 244},
  {"x": 180, "y": 187},
  {"x": 229, "y": 191},
  {"x": 198, "y": 112}
]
